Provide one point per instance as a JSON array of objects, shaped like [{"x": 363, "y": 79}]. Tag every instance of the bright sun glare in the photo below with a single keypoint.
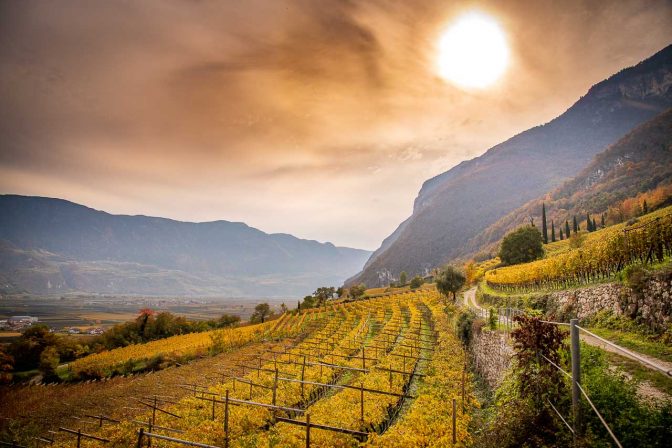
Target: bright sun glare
[{"x": 473, "y": 52}]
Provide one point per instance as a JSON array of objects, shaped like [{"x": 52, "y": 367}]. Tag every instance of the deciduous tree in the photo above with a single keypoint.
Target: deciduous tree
[
  {"x": 261, "y": 312},
  {"x": 450, "y": 280},
  {"x": 521, "y": 246}
]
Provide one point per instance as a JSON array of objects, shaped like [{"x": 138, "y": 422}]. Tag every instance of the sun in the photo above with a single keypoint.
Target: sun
[{"x": 473, "y": 51}]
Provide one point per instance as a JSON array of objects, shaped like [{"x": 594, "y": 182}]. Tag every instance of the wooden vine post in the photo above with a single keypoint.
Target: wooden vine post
[
  {"x": 454, "y": 423},
  {"x": 308, "y": 430},
  {"x": 361, "y": 401},
  {"x": 226, "y": 419}
]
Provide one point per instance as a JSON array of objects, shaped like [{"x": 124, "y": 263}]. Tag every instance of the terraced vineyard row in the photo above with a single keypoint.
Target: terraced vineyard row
[
  {"x": 648, "y": 241},
  {"x": 191, "y": 345},
  {"x": 382, "y": 371}
]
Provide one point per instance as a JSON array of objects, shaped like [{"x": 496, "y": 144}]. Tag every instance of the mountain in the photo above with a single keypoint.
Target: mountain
[
  {"x": 455, "y": 206},
  {"x": 52, "y": 245},
  {"x": 636, "y": 168}
]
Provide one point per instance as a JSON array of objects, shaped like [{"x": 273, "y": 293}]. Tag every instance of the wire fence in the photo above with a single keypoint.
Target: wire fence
[{"x": 508, "y": 323}]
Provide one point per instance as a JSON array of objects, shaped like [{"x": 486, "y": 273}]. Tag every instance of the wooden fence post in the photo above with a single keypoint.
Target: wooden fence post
[
  {"x": 141, "y": 434},
  {"x": 303, "y": 372},
  {"x": 226, "y": 420},
  {"x": 454, "y": 423},
  {"x": 576, "y": 375},
  {"x": 308, "y": 430},
  {"x": 464, "y": 373},
  {"x": 361, "y": 401},
  {"x": 275, "y": 386},
  {"x": 390, "y": 377}
]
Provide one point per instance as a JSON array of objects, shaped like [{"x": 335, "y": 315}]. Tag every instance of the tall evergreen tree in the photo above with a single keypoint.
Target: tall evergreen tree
[
  {"x": 567, "y": 229},
  {"x": 552, "y": 231},
  {"x": 594, "y": 225},
  {"x": 562, "y": 237},
  {"x": 544, "y": 227},
  {"x": 645, "y": 207},
  {"x": 589, "y": 223},
  {"x": 602, "y": 220},
  {"x": 575, "y": 225}
]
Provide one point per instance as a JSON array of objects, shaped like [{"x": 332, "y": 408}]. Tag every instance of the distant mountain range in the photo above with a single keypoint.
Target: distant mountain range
[
  {"x": 56, "y": 246},
  {"x": 453, "y": 209}
]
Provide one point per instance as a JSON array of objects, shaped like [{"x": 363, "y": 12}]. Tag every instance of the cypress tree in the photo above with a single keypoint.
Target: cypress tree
[
  {"x": 562, "y": 237},
  {"x": 645, "y": 207},
  {"x": 567, "y": 229},
  {"x": 589, "y": 224},
  {"x": 552, "y": 231},
  {"x": 603, "y": 220},
  {"x": 575, "y": 225},
  {"x": 544, "y": 227},
  {"x": 594, "y": 225}
]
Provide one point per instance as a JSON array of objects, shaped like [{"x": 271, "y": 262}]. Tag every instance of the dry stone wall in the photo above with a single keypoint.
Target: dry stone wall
[
  {"x": 649, "y": 303},
  {"x": 492, "y": 356}
]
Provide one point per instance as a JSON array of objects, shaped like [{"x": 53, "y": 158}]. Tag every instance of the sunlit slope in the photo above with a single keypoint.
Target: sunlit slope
[
  {"x": 363, "y": 349},
  {"x": 602, "y": 254}
]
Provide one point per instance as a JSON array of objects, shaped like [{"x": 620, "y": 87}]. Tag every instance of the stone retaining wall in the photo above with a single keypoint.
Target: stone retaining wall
[
  {"x": 492, "y": 356},
  {"x": 649, "y": 303}
]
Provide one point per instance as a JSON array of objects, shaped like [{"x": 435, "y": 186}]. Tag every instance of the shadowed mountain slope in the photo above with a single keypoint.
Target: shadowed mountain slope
[{"x": 454, "y": 207}]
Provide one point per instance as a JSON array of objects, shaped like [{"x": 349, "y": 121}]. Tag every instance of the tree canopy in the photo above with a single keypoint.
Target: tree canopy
[
  {"x": 357, "y": 291},
  {"x": 416, "y": 282},
  {"x": 261, "y": 312},
  {"x": 450, "y": 280},
  {"x": 523, "y": 245}
]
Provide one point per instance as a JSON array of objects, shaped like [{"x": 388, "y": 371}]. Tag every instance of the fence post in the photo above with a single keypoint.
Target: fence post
[
  {"x": 454, "y": 423},
  {"x": 464, "y": 372},
  {"x": 150, "y": 430},
  {"x": 390, "y": 377},
  {"x": 361, "y": 401},
  {"x": 303, "y": 372},
  {"x": 79, "y": 438},
  {"x": 307, "y": 429},
  {"x": 576, "y": 376},
  {"x": 275, "y": 385},
  {"x": 141, "y": 434},
  {"x": 154, "y": 411},
  {"x": 226, "y": 420}
]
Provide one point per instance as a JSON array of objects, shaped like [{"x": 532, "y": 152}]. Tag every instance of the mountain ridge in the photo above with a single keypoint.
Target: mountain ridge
[
  {"x": 639, "y": 164},
  {"x": 217, "y": 254},
  {"x": 455, "y": 206}
]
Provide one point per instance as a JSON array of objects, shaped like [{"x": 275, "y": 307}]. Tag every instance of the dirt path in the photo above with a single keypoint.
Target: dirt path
[
  {"x": 470, "y": 302},
  {"x": 645, "y": 389}
]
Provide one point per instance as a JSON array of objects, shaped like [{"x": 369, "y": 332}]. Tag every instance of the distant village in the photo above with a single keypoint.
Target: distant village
[{"x": 19, "y": 323}]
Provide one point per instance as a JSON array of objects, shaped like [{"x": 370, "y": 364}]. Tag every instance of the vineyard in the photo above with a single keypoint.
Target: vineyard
[
  {"x": 386, "y": 371},
  {"x": 188, "y": 346},
  {"x": 603, "y": 255}
]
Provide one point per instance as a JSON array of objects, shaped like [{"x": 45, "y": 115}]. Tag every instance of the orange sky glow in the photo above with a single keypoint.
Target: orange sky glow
[{"x": 316, "y": 118}]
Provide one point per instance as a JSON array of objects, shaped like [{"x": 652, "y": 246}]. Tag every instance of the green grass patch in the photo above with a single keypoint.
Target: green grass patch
[
  {"x": 636, "y": 342},
  {"x": 640, "y": 373}
]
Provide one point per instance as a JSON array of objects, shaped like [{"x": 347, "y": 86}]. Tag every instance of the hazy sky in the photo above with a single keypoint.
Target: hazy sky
[{"x": 318, "y": 118}]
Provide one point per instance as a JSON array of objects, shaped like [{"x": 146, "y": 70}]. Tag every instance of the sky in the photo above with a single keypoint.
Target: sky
[{"x": 317, "y": 118}]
